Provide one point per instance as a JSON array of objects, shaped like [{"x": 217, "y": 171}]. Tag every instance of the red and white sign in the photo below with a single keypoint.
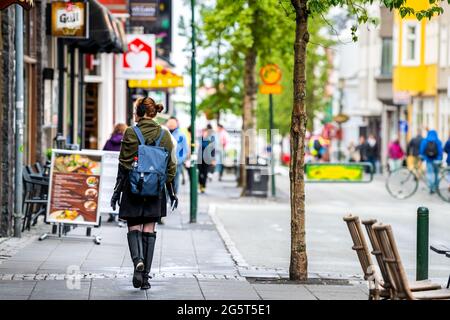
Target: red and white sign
[{"x": 138, "y": 63}]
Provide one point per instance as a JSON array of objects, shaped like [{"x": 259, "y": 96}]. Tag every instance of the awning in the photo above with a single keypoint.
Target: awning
[
  {"x": 105, "y": 32},
  {"x": 164, "y": 79}
]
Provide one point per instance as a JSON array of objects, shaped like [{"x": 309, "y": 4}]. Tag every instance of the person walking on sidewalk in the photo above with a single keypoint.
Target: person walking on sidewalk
[
  {"x": 413, "y": 151},
  {"x": 431, "y": 153},
  {"x": 221, "y": 149},
  {"x": 395, "y": 155},
  {"x": 181, "y": 148},
  {"x": 114, "y": 142},
  {"x": 141, "y": 213},
  {"x": 447, "y": 151},
  {"x": 207, "y": 156}
]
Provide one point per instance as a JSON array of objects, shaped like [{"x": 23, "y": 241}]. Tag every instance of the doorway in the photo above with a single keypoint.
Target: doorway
[{"x": 91, "y": 117}]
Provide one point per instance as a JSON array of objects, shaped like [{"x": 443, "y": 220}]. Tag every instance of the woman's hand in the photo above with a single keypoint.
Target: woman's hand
[{"x": 173, "y": 197}]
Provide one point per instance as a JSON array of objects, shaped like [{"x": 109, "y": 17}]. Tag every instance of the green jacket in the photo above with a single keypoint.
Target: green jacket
[{"x": 151, "y": 130}]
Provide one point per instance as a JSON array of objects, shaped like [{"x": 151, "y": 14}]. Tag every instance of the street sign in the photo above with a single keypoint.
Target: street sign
[
  {"x": 138, "y": 63},
  {"x": 26, "y": 4},
  {"x": 270, "y": 75},
  {"x": 270, "y": 89}
]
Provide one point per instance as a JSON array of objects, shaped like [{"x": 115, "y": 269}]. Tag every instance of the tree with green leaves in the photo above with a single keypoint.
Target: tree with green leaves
[
  {"x": 303, "y": 10},
  {"x": 249, "y": 30}
]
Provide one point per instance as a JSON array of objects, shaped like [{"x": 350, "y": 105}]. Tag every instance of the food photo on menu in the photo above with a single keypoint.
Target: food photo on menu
[{"x": 74, "y": 188}]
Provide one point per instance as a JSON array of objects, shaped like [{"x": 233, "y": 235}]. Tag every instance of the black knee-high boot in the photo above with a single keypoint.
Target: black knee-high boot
[
  {"x": 136, "y": 251},
  {"x": 148, "y": 241}
]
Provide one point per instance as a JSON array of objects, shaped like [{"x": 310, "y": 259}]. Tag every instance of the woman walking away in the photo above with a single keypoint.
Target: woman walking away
[
  {"x": 142, "y": 211},
  {"x": 113, "y": 143}
]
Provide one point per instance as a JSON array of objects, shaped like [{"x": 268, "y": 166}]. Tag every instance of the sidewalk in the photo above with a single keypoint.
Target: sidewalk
[{"x": 190, "y": 262}]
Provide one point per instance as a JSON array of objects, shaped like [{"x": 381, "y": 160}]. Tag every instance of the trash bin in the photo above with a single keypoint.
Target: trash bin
[{"x": 257, "y": 179}]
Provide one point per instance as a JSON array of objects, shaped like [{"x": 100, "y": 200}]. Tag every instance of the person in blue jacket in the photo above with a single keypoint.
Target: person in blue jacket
[
  {"x": 431, "y": 153},
  {"x": 447, "y": 151},
  {"x": 182, "y": 148}
]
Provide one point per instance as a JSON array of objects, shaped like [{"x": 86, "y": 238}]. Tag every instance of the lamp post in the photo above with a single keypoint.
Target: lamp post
[
  {"x": 341, "y": 86},
  {"x": 193, "y": 169},
  {"x": 18, "y": 215}
]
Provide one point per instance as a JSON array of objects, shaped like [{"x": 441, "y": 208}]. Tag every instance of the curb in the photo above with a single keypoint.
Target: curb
[{"x": 229, "y": 244}]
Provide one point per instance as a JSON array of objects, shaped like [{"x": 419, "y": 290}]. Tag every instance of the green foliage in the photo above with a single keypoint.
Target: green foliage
[
  {"x": 317, "y": 68},
  {"x": 230, "y": 29}
]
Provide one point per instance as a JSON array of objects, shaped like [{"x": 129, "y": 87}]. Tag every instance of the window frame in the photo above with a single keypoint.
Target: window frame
[{"x": 407, "y": 61}]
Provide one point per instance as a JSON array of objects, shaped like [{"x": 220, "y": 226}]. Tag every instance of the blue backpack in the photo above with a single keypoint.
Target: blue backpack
[{"x": 149, "y": 176}]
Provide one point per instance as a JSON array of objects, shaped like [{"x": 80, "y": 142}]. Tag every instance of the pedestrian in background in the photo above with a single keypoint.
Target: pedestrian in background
[
  {"x": 221, "y": 148},
  {"x": 395, "y": 155},
  {"x": 353, "y": 153},
  {"x": 413, "y": 151},
  {"x": 113, "y": 144},
  {"x": 206, "y": 156},
  {"x": 141, "y": 213},
  {"x": 362, "y": 149},
  {"x": 372, "y": 151},
  {"x": 431, "y": 153},
  {"x": 181, "y": 148},
  {"x": 447, "y": 151}
]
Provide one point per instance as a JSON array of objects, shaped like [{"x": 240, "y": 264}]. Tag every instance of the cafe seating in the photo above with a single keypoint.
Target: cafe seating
[
  {"x": 379, "y": 288},
  {"x": 401, "y": 288},
  {"x": 35, "y": 192}
]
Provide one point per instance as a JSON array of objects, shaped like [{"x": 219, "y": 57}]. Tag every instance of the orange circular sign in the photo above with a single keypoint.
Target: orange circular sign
[{"x": 270, "y": 74}]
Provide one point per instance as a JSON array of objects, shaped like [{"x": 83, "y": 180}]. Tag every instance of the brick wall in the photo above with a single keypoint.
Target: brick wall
[{"x": 7, "y": 121}]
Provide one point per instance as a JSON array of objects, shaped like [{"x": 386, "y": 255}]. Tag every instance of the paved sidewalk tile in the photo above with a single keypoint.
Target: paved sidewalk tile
[
  {"x": 327, "y": 292},
  {"x": 59, "y": 289},
  {"x": 15, "y": 289},
  {"x": 117, "y": 289},
  {"x": 227, "y": 290},
  {"x": 283, "y": 292}
]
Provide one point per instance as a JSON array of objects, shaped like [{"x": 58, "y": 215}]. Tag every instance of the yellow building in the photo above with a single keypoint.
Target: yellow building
[{"x": 415, "y": 70}]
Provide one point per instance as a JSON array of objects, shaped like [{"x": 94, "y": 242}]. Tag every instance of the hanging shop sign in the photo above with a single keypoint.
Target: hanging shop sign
[
  {"x": 69, "y": 19},
  {"x": 143, "y": 10},
  {"x": 138, "y": 62},
  {"x": 270, "y": 75},
  {"x": 164, "y": 79},
  {"x": 75, "y": 184},
  {"x": 26, "y": 4}
]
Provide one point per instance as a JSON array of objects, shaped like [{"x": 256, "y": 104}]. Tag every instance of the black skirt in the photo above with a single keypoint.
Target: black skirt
[{"x": 133, "y": 206}]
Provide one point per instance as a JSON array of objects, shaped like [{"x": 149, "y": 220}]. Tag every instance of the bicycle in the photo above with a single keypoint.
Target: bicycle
[{"x": 403, "y": 182}]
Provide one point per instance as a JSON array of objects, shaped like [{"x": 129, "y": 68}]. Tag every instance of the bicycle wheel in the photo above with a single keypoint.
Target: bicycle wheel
[
  {"x": 402, "y": 183},
  {"x": 443, "y": 189}
]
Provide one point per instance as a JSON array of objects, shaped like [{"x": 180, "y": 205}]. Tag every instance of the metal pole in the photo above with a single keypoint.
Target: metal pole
[
  {"x": 60, "y": 54},
  {"x": 193, "y": 169},
  {"x": 422, "y": 243},
  {"x": 18, "y": 214},
  {"x": 272, "y": 158}
]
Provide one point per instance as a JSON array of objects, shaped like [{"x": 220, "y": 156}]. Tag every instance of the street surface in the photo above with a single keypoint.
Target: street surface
[
  {"x": 260, "y": 228},
  {"x": 190, "y": 262}
]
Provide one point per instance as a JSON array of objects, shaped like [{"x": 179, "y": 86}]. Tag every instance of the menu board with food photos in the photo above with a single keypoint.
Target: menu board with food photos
[{"x": 74, "y": 187}]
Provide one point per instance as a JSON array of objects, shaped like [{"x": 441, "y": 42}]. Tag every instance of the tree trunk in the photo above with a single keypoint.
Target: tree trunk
[
  {"x": 298, "y": 269},
  {"x": 248, "y": 114}
]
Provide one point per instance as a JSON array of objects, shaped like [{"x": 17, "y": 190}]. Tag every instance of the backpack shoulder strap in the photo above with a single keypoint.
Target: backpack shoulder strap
[
  {"x": 139, "y": 135},
  {"x": 161, "y": 135}
]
